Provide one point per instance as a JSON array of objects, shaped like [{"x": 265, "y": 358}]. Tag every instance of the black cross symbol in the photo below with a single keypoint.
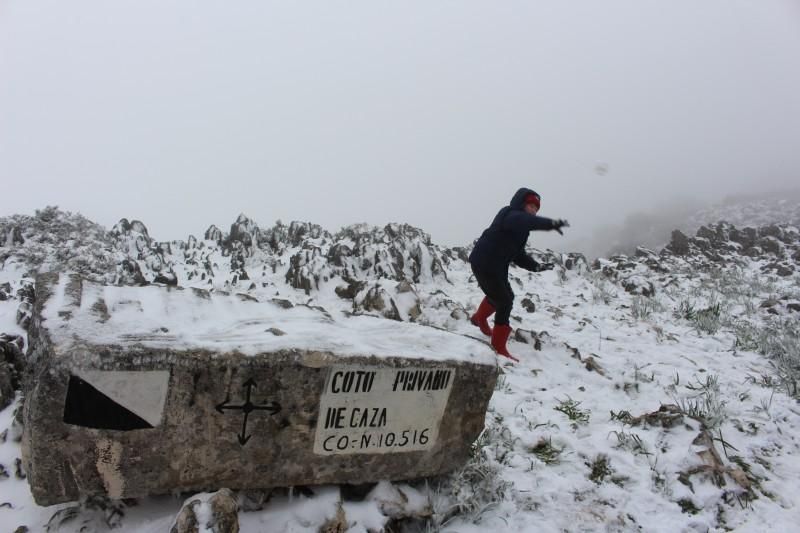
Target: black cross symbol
[{"x": 248, "y": 407}]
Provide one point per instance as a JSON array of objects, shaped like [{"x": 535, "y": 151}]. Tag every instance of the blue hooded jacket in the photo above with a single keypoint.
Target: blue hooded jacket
[{"x": 504, "y": 241}]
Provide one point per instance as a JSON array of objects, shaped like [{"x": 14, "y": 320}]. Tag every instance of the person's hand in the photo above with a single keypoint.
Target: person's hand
[
  {"x": 560, "y": 223},
  {"x": 545, "y": 266}
]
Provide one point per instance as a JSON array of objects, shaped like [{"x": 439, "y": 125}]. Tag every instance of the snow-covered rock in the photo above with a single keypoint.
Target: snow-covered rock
[{"x": 139, "y": 375}]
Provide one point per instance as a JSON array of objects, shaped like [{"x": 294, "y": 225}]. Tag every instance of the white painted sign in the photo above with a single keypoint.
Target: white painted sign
[
  {"x": 372, "y": 410},
  {"x": 144, "y": 393}
]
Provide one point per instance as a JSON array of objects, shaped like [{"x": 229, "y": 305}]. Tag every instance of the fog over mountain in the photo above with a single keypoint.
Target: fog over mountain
[{"x": 653, "y": 228}]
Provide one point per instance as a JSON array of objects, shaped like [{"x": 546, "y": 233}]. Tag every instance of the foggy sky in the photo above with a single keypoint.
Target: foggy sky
[{"x": 186, "y": 113}]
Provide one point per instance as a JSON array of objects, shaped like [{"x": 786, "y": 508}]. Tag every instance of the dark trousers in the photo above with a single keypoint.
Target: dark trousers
[{"x": 498, "y": 291}]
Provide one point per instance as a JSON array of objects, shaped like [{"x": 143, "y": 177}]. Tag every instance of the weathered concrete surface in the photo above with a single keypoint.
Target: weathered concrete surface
[{"x": 117, "y": 407}]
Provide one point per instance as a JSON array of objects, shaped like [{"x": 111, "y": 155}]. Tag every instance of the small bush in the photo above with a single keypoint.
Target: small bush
[
  {"x": 570, "y": 408},
  {"x": 546, "y": 452},
  {"x": 708, "y": 320},
  {"x": 685, "y": 310},
  {"x": 706, "y": 406},
  {"x": 643, "y": 307}
]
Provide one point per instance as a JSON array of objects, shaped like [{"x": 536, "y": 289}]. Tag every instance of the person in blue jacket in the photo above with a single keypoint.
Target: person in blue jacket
[{"x": 501, "y": 244}]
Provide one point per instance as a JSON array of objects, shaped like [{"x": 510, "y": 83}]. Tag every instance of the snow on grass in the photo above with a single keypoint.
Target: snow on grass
[{"x": 635, "y": 415}]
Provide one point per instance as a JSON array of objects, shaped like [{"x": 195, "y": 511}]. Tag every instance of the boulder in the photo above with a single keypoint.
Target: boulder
[
  {"x": 12, "y": 364},
  {"x": 164, "y": 393},
  {"x": 679, "y": 243},
  {"x": 6, "y": 386},
  {"x": 5, "y": 292},
  {"x": 217, "y": 513},
  {"x": 638, "y": 284},
  {"x": 771, "y": 245},
  {"x": 214, "y": 234},
  {"x": 129, "y": 273},
  {"x": 377, "y": 299},
  {"x": 244, "y": 231}
]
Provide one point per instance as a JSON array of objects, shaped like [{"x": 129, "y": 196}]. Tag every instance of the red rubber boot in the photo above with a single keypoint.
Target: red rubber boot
[
  {"x": 481, "y": 315},
  {"x": 499, "y": 338}
]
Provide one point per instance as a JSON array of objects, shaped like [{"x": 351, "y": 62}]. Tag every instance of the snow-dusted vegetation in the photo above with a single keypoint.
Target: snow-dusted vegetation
[{"x": 656, "y": 391}]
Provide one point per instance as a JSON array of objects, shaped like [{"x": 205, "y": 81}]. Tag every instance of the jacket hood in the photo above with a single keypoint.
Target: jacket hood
[{"x": 518, "y": 200}]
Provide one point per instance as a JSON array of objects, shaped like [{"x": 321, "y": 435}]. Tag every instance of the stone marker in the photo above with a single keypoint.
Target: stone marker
[{"x": 133, "y": 391}]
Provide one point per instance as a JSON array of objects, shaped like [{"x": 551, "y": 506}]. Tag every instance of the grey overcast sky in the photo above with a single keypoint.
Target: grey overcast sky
[{"x": 186, "y": 113}]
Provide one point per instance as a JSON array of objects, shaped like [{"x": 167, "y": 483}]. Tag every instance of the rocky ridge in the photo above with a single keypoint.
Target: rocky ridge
[{"x": 395, "y": 271}]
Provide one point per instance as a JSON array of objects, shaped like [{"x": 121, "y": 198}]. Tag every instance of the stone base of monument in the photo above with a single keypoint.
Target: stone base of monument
[{"x": 133, "y": 391}]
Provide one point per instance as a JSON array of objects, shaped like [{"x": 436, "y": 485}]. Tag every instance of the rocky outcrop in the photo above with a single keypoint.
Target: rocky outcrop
[
  {"x": 244, "y": 231},
  {"x": 376, "y": 299},
  {"x": 679, "y": 243},
  {"x": 26, "y": 295},
  {"x": 722, "y": 241},
  {"x": 214, "y": 234}
]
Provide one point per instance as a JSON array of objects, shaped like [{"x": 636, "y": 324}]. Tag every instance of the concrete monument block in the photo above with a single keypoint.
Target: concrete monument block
[{"x": 134, "y": 391}]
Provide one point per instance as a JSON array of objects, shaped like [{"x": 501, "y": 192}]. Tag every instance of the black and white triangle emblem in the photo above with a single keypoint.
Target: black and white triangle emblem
[{"x": 88, "y": 407}]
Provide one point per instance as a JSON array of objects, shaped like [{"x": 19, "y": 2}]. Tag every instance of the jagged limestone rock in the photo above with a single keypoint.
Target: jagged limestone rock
[
  {"x": 166, "y": 394},
  {"x": 243, "y": 231},
  {"x": 214, "y": 234},
  {"x": 6, "y": 386},
  {"x": 679, "y": 243}
]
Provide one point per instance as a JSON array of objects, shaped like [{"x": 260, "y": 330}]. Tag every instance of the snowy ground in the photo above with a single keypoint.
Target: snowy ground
[{"x": 566, "y": 445}]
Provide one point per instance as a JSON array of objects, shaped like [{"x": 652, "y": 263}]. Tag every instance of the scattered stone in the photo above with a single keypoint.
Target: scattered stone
[
  {"x": 217, "y": 512},
  {"x": 528, "y": 305},
  {"x": 283, "y": 304},
  {"x": 576, "y": 261},
  {"x": 167, "y": 278},
  {"x": 459, "y": 314},
  {"x": 19, "y": 470},
  {"x": 277, "y": 332},
  {"x": 403, "y": 287},
  {"x": 6, "y": 385},
  {"x": 351, "y": 290},
  {"x": 592, "y": 365},
  {"x": 639, "y": 285},
  {"x": 129, "y": 273},
  {"x": 768, "y": 303},
  {"x": 378, "y": 300},
  {"x": 528, "y": 337},
  {"x": 415, "y": 311}
]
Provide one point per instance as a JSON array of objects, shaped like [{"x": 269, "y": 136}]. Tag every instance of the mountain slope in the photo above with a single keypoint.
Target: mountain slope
[{"x": 656, "y": 392}]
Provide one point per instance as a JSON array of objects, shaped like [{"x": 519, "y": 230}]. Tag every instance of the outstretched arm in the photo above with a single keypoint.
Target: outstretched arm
[{"x": 522, "y": 221}]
